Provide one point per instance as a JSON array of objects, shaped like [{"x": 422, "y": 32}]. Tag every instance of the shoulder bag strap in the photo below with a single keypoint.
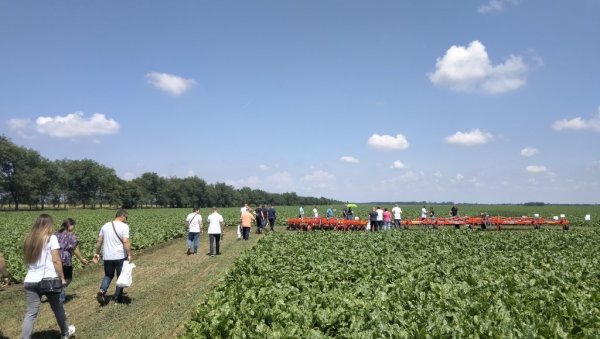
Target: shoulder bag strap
[{"x": 114, "y": 229}]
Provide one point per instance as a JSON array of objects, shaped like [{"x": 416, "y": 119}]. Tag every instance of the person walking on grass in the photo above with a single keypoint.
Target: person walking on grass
[
  {"x": 215, "y": 230},
  {"x": 246, "y": 223},
  {"x": 69, "y": 245},
  {"x": 113, "y": 239},
  {"x": 41, "y": 252},
  {"x": 194, "y": 226}
]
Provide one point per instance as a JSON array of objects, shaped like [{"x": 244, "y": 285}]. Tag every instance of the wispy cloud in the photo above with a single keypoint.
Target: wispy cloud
[
  {"x": 349, "y": 159},
  {"x": 388, "y": 142},
  {"x": 492, "y": 6},
  {"x": 173, "y": 84},
  {"x": 264, "y": 167},
  {"x": 578, "y": 123},
  {"x": 469, "y": 69},
  {"x": 472, "y": 138},
  {"x": 398, "y": 165},
  {"x": 319, "y": 179},
  {"x": 529, "y": 151},
  {"x": 536, "y": 169}
]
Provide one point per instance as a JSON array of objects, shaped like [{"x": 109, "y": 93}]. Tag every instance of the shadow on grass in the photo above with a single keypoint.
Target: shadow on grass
[{"x": 46, "y": 334}]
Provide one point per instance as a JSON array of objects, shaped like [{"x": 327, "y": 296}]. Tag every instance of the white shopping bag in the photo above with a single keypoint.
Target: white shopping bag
[
  {"x": 369, "y": 225},
  {"x": 126, "y": 277},
  {"x": 239, "y": 232}
]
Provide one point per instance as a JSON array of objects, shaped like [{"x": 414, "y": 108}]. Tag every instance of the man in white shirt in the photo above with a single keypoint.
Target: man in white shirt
[
  {"x": 243, "y": 209},
  {"x": 215, "y": 229},
  {"x": 397, "y": 212},
  {"x": 423, "y": 213},
  {"x": 194, "y": 223},
  {"x": 379, "y": 218},
  {"x": 116, "y": 248},
  {"x": 315, "y": 212}
]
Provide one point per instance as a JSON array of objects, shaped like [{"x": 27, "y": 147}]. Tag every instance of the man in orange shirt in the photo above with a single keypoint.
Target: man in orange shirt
[{"x": 246, "y": 222}]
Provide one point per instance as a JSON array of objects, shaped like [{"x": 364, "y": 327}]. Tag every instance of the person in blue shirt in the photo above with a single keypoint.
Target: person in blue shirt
[{"x": 329, "y": 213}]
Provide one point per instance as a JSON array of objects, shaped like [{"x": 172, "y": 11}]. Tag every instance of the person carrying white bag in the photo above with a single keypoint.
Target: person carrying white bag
[{"x": 126, "y": 277}]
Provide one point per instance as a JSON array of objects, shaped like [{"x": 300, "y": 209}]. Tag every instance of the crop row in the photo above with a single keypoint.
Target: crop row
[{"x": 410, "y": 284}]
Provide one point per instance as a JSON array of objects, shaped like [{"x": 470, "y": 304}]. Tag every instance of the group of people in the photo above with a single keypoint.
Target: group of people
[
  {"x": 215, "y": 231},
  {"x": 262, "y": 215},
  {"x": 49, "y": 255}
]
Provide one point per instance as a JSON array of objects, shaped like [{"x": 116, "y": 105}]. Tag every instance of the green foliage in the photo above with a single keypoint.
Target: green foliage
[{"x": 409, "y": 284}]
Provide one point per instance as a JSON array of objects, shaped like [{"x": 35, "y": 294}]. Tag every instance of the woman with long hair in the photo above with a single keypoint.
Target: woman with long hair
[
  {"x": 41, "y": 254},
  {"x": 69, "y": 245}
]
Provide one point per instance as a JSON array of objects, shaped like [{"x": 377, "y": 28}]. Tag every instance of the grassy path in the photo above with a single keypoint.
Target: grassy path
[{"x": 167, "y": 286}]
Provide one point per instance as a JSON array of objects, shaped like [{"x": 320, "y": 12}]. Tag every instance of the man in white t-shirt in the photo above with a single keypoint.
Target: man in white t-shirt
[
  {"x": 194, "y": 225},
  {"x": 116, "y": 248},
  {"x": 379, "y": 218},
  {"x": 397, "y": 212},
  {"x": 244, "y": 209},
  {"x": 423, "y": 213},
  {"x": 315, "y": 212},
  {"x": 215, "y": 229}
]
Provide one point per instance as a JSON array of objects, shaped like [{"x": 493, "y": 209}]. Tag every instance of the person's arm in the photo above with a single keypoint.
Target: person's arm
[
  {"x": 127, "y": 245},
  {"x": 97, "y": 252},
  {"x": 79, "y": 256},
  {"x": 58, "y": 266}
]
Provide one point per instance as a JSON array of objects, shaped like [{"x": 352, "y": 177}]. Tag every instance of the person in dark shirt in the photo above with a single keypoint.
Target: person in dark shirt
[
  {"x": 454, "y": 211},
  {"x": 373, "y": 219},
  {"x": 259, "y": 218},
  {"x": 271, "y": 215}
]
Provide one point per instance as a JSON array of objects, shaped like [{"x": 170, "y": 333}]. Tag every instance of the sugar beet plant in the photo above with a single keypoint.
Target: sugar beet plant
[{"x": 410, "y": 284}]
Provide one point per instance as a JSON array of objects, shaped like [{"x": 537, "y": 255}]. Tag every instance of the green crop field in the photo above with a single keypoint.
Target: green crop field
[
  {"x": 153, "y": 226},
  {"x": 443, "y": 283}
]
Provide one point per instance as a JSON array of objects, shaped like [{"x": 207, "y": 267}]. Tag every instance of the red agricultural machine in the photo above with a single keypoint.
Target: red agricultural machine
[{"x": 483, "y": 222}]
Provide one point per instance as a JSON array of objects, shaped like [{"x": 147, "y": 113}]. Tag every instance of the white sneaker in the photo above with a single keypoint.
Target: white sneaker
[{"x": 71, "y": 332}]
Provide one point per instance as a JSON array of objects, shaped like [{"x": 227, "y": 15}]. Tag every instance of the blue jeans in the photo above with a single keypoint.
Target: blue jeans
[
  {"x": 193, "y": 238},
  {"x": 110, "y": 266},
  {"x": 33, "y": 301}
]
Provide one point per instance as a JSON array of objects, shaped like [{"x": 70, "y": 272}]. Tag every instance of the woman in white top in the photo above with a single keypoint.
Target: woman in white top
[{"x": 42, "y": 256}]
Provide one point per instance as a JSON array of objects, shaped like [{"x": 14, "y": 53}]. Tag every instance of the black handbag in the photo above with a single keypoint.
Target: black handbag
[{"x": 50, "y": 286}]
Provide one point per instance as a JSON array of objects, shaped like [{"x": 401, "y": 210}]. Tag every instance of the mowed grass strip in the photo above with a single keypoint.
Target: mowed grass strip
[{"x": 167, "y": 286}]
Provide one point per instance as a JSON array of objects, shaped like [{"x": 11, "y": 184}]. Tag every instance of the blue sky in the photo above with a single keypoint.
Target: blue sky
[{"x": 490, "y": 101}]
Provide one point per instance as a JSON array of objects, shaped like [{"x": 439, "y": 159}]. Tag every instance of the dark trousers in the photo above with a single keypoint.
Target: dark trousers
[
  {"x": 272, "y": 223},
  {"x": 214, "y": 239},
  {"x": 374, "y": 225},
  {"x": 110, "y": 267},
  {"x": 246, "y": 233}
]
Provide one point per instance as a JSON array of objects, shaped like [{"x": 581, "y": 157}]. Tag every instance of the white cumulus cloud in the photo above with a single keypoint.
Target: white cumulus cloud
[
  {"x": 529, "y": 151},
  {"x": 469, "y": 69},
  {"x": 76, "y": 125},
  {"x": 349, "y": 159},
  {"x": 536, "y": 169},
  {"x": 388, "y": 142},
  {"x": 496, "y": 6},
  {"x": 173, "y": 84},
  {"x": 264, "y": 167},
  {"x": 472, "y": 138},
  {"x": 398, "y": 165},
  {"x": 578, "y": 123}
]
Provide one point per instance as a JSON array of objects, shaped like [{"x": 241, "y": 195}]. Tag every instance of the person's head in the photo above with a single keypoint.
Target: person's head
[
  {"x": 214, "y": 209},
  {"x": 397, "y": 205},
  {"x": 196, "y": 209},
  {"x": 67, "y": 225},
  {"x": 385, "y": 209},
  {"x": 374, "y": 208},
  {"x": 121, "y": 215},
  {"x": 41, "y": 230}
]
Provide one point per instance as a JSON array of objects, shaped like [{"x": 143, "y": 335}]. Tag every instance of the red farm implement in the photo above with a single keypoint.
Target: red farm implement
[{"x": 483, "y": 222}]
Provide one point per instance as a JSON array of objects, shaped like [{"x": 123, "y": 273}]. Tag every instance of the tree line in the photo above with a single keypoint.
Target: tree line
[{"x": 27, "y": 178}]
